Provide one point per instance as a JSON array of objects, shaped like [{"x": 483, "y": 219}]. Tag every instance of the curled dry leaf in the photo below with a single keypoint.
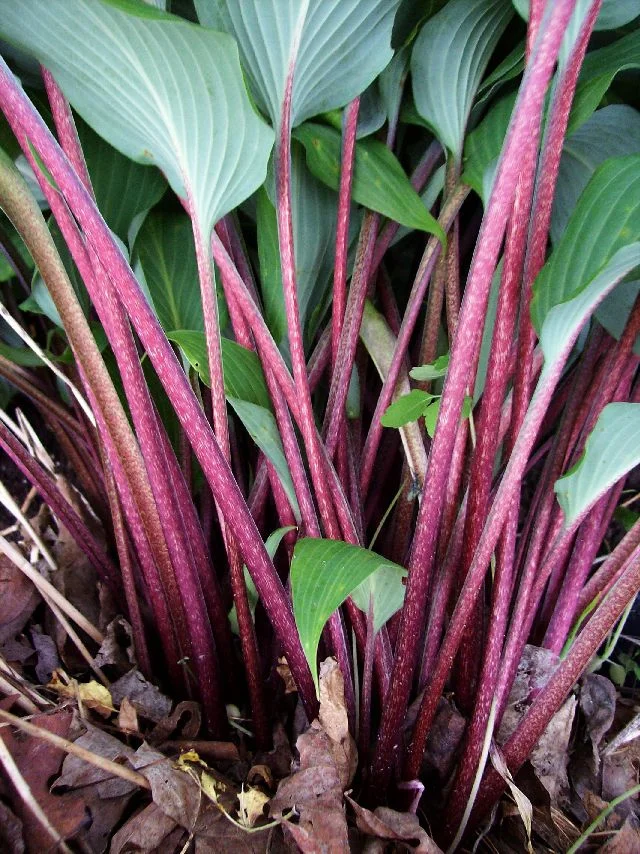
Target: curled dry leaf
[
  {"x": 550, "y": 756},
  {"x": 385, "y": 823},
  {"x": 252, "y": 802},
  {"x": 536, "y": 667},
  {"x": 145, "y": 831},
  {"x": 523, "y": 803},
  {"x": 116, "y": 650},
  {"x": 186, "y": 716},
  {"x": 177, "y": 794},
  {"x": 128, "y": 717},
  {"x": 598, "y": 705}
]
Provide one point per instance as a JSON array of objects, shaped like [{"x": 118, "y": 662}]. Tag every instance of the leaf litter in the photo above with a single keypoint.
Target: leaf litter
[{"x": 209, "y": 796}]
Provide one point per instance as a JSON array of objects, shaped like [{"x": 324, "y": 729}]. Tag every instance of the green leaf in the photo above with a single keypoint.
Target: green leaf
[
  {"x": 123, "y": 189},
  {"x": 484, "y": 144},
  {"x": 337, "y": 48},
  {"x": 323, "y": 574},
  {"x": 613, "y": 13},
  {"x": 510, "y": 67},
  {"x": 20, "y": 356},
  {"x": 606, "y": 218},
  {"x": 165, "y": 250},
  {"x": 431, "y": 417},
  {"x": 597, "y": 72},
  {"x": 379, "y": 181},
  {"x": 610, "y": 132},
  {"x": 6, "y": 270},
  {"x": 243, "y": 376},
  {"x": 386, "y": 587},
  {"x": 314, "y": 209},
  {"x": 626, "y": 517},
  {"x": 159, "y": 89},
  {"x": 407, "y": 408},
  {"x": 409, "y": 17},
  {"x": 433, "y": 371},
  {"x": 449, "y": 58},
  {"x": 271, "y": 545},
  {"x": 614, "y": 310},
  {"x": 612, "y": 450},
  {"x": 565, "y": 320},
  {"x": 261, "y": 425}
]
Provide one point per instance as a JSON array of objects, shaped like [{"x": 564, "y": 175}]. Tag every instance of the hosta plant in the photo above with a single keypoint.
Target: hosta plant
[{"x": 344, "y": 294}]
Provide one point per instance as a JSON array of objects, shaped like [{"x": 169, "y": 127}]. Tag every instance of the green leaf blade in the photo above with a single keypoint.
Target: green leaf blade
[
  {"x": 611, "y": 451},
  {"x": 406, "y": 409},
  {"x": 323, "y": 574}
]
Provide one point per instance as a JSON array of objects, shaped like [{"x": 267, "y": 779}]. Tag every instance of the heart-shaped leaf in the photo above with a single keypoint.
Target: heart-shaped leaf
[
  {"x": 323, "y": 574},
  {"x": 449, "y": 58},
  {"x": 606, "y": 218},
  {"x": 612, "y": 450},
  {"x": 610, "y": 132},
  {"x": 337, "y": 48},
  {"x": 159, "y": 89},
  {"x": 386, "y": 587},
  {"x": 379, "y": 181}
]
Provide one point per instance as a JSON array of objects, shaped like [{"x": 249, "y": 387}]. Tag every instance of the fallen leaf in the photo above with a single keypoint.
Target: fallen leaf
[
  {"x": 11, "y": 837},
  {"x": 47, "y": 652},
  {"x": 536, "y": 667},
  {"x": 186, "y": 716},
  {"x": 550, "y": 756},
  {"x": 598, "y": 705},
  {"x": 76, "y": 773},
  {"x": 444, "y": 739},
  {"x": 619, "y": 774},
  {"x": 18, "y": 601},
  {"x": 177, "y": 794},
  {"x": 626, "y": 840},
  {"x": 523, "y": 803},
  {"x": 117, "y": 650},
  {"x": 385, "y": 823},
  {"x": 145, "y": 831},
  {"x": 214, "y": 834},
  {"x": 92, "y": 694},
  {"x": 251, "y": 805},
  {"x": 38, "y": 761},
  {"x": 128, "y": 717},
  {"x": 147, "y": 698},
  {"x": 284, "y": 673}
]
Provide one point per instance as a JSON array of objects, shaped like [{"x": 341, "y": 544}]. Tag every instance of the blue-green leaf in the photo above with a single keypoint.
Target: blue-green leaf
[
  {"x": 484, "y": 144},
  {"x": 159, "y": 89},
  {"x": 612, "y": 450},
  {"x": 323, "y": 574},
  {"x": 449, "y": 58},
  {"x": 337, "y": 48}
]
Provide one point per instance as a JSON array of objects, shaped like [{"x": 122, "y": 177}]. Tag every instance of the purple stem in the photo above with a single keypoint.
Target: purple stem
[
  {"x": 21, "y": 114},
  {"x": 528, "y": 106}
]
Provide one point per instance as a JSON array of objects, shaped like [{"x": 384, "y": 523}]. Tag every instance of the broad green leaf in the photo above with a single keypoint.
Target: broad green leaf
[
  {"x": 613, "y": 14},
  {"x": 379, "y": 181},
  {"x": 15, "y": 241},
  {"x": 123, "y": 189},
  {"x": 391, "y": 83},
  {"x": 407, "y": 408},
  {"x": 564, "y": 320},
  {"x": 165, "y": 250},
  {"x": 510, "y": 67},
  {"x": 597, "y": 72},
  {"x": 610, "y": 132},
  {"x": 271, "y": 545},
  {"x": 409, "y": 17},
  {"x": 449, "y": 58},
  {"x": 386, "y": 587},
  {"x": 606, "y": 218},
  {"x": 314, "y": 209},
  {"x": 23, "y": 356},
  {"x": 484, "y": 144},
  {"x": 433, "y": 371},
  {"x": 323, "y": 574},
  {"x": 260, "y": 424},
  {"x": 243, "y": 376},
  {"x": 159, "y": 89},
  {"x": 614, "y": 310},
  {"x": 612, "y": 450},
  {"x": 335, "y": 47}
]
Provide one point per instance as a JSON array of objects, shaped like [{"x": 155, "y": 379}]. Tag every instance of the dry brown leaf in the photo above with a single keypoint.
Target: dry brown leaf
[
  {"x": 116, "y": 650},
  {"x": 626, "y": 840},
  {"x": 444, "y": 739},
  {"x": 177, "y": 794},
  {"x": 147, "y": 698},
  {"x": 186, "y": 716},
  {"x": 47, "y": 652},
  {"x": 385, "y": 823},
  {"x": 18, "y": 600},
  {"x": 11, "y": 836},
  {"x": 144, "y": 832},
  {"x": 128, "y": 717},
  {"x": 620, "y": 773},
  {"x": 214, "y": 834},
  {"x": 284, "y": 673},
  {"x": 38, "y": 761},
  {"x": 536, "y": 667},
  {"x": 251, "y": 806},
  {"x": 77, "y": 774},
  {"x": 550, "y": 756},
  {"x": 261, "y": 773},
  {"x": 598, "y": 705}
]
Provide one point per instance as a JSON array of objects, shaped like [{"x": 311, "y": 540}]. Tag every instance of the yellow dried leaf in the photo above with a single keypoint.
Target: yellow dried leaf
[
  {"x": 92, "y": 694},
  {"x": 252, "y": 803}
]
